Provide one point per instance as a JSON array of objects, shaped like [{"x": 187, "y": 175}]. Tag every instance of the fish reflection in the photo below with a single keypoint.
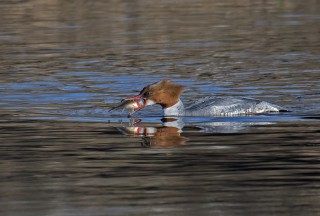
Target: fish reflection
[{"x": 168, "y": 134}]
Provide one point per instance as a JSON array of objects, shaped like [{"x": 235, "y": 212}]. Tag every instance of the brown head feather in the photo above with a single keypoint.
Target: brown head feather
[{"x": 164, "y": 92}]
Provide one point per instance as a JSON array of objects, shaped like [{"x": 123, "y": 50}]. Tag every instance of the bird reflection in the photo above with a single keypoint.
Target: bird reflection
[
  {"x": 164, "y": 136},
  {"x": 168, "y": 133}
]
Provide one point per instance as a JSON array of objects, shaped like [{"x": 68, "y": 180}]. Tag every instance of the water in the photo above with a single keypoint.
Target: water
[{"x": 65, "y": 63}]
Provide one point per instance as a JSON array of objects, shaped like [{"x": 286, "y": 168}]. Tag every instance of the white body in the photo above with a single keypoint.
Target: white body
[{"x": 222, "y": 106}]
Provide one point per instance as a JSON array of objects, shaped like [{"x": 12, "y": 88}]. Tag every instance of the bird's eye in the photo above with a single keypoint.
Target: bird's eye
[{"x": 146, "y": 94}]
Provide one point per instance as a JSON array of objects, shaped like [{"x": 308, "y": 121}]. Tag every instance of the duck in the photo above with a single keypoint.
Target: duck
[{"x": 167, "y": 94}]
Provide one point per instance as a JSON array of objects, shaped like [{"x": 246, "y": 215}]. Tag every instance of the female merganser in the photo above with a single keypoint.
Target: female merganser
[{"x": 167, "y": 94}]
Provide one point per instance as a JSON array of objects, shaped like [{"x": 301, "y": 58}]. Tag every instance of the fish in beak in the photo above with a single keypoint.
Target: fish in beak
[
  {"x": 141, "y": 101},
  {"x": 135, "y": 105}
]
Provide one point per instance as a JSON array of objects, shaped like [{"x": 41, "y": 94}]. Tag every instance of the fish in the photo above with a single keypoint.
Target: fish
[{"x": 134, "y": 105}]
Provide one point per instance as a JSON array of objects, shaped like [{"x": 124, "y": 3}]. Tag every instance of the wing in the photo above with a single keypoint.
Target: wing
[
  {"x": 214, "y": 105},
  {"x": 222, "y": 102}
]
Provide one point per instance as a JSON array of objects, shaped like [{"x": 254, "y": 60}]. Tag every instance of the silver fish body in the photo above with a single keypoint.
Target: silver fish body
[{"x": 128, "y": 105}]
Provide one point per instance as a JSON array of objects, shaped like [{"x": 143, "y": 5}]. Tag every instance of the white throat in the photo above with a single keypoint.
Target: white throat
[{"x": 175, "y": 110}]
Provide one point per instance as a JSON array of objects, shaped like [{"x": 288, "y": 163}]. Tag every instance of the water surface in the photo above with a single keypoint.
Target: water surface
[{"x": 65, "y": 63}]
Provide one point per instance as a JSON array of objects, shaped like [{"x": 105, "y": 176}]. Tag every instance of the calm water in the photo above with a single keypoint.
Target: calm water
[{"x": 65, "y": 63}]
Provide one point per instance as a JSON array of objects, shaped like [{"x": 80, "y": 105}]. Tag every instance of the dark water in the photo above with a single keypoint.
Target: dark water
[{"x": 65, "y": 63}]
